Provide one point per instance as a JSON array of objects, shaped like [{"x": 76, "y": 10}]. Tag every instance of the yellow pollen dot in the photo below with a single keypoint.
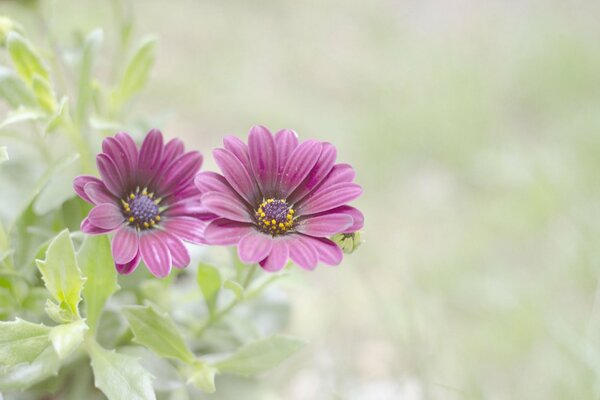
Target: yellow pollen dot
[
  {"x": 146, "y": 225},
  {"x": 281, "y": 225},
  {"x": 151, "y": 195},
  {"x": 131, "y": 219},
  {"x": 269, "y": 200},
  {"x": 267, "y": 223},
  {"x": 132, "y": 196},
  {"x": 157, "y": 218},
  {"x": 291, "y": 211},
  {"x": 289, "y": 216},
  {"x": 262, "y": 215},
  {"x": 152, "y": 222},
  {"x": 145, "y": 192}
]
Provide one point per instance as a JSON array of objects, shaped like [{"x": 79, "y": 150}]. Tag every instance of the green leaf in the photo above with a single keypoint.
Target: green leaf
[
  {"x": 90, "y": 48},
  {"x": 60, "y": 272},
  {"x": 66, "y": 338},
  {"x": 3, "y": 154},
  {"x": 44, "y": 94},
  {"x": 13, "y": 90},
  {"x": 59, "y": 313},
  {"x": 60, "y": 117},
  {"x": 98, "y": 267},
  {"x": 23, "y": 376},
  {"x": 158, "y": 332},
  {"x": 137, "y": 72},
  {"x": 25, "y": 59},
  {"x": 118, "y": 376},
  {"x": 204, "y": 378},
  {"x": 235, "y": 287},
  {"x": 261, "y": 355},
  {"x": 21, "y": 341},
  {"x": 19, "y": 115},
  {"x": 59, "y": 186},
  {"x": 209, "y": 280}
]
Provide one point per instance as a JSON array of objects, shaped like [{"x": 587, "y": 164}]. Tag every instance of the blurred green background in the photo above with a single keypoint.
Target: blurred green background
[{"x": 474, "y": 128}]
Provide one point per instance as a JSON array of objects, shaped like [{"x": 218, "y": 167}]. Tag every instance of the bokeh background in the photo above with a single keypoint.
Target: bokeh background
[{"x": 475, "y": 131}]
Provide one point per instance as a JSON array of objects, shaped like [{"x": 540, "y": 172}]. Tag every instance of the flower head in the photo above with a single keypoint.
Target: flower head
[
  {"x": 148, "y": 198},
  {"x": 279, "y": 199}
]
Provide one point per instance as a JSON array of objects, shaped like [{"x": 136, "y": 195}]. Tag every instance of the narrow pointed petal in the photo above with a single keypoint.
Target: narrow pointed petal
[
  {"x": 278, "y": 257},
  {"x": 125, "y": 244},
  {"x": 329, "y": 197},
  {"x": 187, "y": 228},
  {"x": 98, "y": 193},
  {"x": 156, "y": 254},
  {"x": 236, "y": 174},
  {"x": 325, "y": 225},
  {"x": 106, "y": 216},
  {"x": 317, "y": 174},
  {"x": 226, "y": 232},
  {"x": 179, "y": 253},
  {"x": 120, "y": 156},
  {"x": 132, "y": 152},
  {"x": 263, "y": 158},
  {"x": 254, "y": 247},
  {"x": 173, "y": 149},
  {"x": 302, "y": 252},
  {"x": 150, "y": 157},
  {"x": 130, "y": 266},
  {"x": 79, "y": 185},
  {"x": 329, "y": 252},
  {"x": 226, "y": 206},
  {"x": 111, "y": 176},
  {"x": 286, "y": 140},
  {"x": 239, "y": 149},
  {"x": 298, "y": 165},
  {"x": 180, "y": 172},
  {"x": 90, "y": 229}
]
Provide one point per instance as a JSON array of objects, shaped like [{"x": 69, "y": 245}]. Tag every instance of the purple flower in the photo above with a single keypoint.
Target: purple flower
[
  {"x": 148, "y": 199},
  {"x": 279, "y": 199}
]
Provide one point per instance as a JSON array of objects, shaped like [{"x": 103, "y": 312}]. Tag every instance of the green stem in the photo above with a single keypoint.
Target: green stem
[{"x": 249, "y": 275}]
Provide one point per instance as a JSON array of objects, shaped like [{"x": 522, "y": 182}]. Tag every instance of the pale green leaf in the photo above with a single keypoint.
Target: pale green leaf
[
  {"x": 204, "y": 378},
  {"x": 3, "y": 154},
  {"x": 66, "y": 338},
  {"x": 260, "y": 356},
  {"x": 21, "y": 341},
  {"x": 209, "y": 280},
  {"x": 59, "y": 313},
  {"x": 90, "y": 48},
  {"x": 44, "y": 94},
  {"x": 23, "y": 376},
  {"x": 61, "y": 273},
  {"x": 13, "y": 90},
  {"x": 158, "y": 332},
  {"x": 118, "y": 376},
  {"x": 60, "y": 117},
  {"x": 25, "y": 59},
  {"x": 235, "y": 287},
  {"x": 98, "y": 267},
  {"x": 137, "y": 71},
  {"x": 59, "y": 186},
  {"x": 19, "y": 115}
]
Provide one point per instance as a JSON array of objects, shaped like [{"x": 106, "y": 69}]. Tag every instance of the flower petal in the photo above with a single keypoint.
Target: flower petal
[
  {"x": 358, "y": 219},
  {"x": 329, "y": 252},
  {"x": 106, "y": 216},
  {"x": 130, "y": 266},
  {"x": 302, "y": 252},
  {"x": 325, "y": 225},
  {"x": 150, "y": 157},
  {"x": 186, "y": 228},
  {"x": 120, "y": 156},
  {"x": 98, "y": 193},
  {"x": 226, "y": 232},
  {"x": 90, "y": 229},
  {"x": 278, "y": 257},
  {"x": 254, "y": 247},
  {"x": 173, "y": 149},
  {"x": 209, "y": 181},
  {"x": 156, "y": 254},
  {"x": 226, "y": 206},
  {"x": 263, "y": 158},
  {"x": 236, "y": 174},
  {"x": 79, "y": 185},
  {"x": 131, "y": 149},
  {"x": 322, "y": 168},
  {"x": 239, "y": 149},
  {"x": 286, "y": 140},
  {"x": 298, "y": 165},
  {"x": 179, "y": 253},
  {"x": 110, "y": 175},
  {"x": 328, "y": 197},
  {"x": 125, "y": 244},
  {"x": 180, "y": 172}
]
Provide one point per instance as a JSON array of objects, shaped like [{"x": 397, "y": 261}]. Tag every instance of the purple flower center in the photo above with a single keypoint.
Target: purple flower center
[
  {"x": 274, "y": 216},
  {"x": 141, "y": 209}
]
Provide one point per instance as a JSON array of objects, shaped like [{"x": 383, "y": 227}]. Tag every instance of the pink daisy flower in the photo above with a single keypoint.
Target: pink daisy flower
[
  {"x": 148, "y": 199},
  {"x": 279, "y": 199}
]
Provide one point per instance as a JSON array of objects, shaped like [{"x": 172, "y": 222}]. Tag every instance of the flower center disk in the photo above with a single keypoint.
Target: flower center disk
[
  {"x": 274, "y": 216},
  {"x": 141, "y": 210}
]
